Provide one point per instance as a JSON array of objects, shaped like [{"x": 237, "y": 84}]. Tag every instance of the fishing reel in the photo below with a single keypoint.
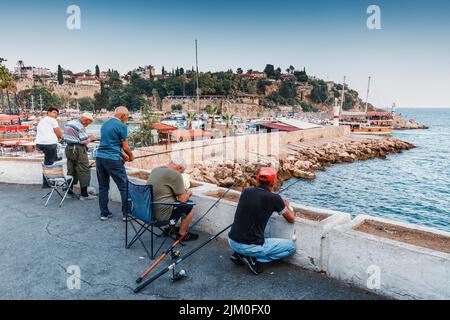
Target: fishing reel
[
  {"x": 176, "y": 276},
  {"x": 175, "y": 254}
]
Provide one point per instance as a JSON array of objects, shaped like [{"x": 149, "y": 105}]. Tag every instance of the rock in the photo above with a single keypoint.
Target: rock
[{"x": 227, "y": 182}]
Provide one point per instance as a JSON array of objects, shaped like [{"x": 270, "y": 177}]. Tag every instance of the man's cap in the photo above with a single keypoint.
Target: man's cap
[
  {"x": 88, "y": 116},
  {"x": 267, "y": 174}
]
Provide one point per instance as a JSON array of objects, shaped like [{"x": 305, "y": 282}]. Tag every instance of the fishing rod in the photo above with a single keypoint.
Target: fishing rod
[
  {"x": 286, "y": 188},
  {"x": 172, "y": 247},
  {"x": 178, "y": 261},
  {"x": 169, "y": 151}
]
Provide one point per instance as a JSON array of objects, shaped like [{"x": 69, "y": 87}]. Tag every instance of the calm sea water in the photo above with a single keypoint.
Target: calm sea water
[{"x": 412, "y": 186}]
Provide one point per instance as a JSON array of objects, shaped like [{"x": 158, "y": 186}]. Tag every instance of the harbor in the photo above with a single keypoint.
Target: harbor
[{"x": 239, "y": 155}]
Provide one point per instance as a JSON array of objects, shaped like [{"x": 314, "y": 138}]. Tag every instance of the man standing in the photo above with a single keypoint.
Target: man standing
[
  {"x": 47, "y": 136},
  {"x": 254, "y": 209},
  {"x": 168, "y": 186},
  {"x": 112, "y": 153},
  {"x": 77, "y": 139}
]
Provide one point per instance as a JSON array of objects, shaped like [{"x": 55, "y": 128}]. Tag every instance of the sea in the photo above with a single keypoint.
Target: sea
[{"x": 412, "y": 186}]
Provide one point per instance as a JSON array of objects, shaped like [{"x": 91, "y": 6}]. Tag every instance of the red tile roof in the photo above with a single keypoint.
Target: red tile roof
[
  {"x": 163, "y": 127},
  {"x": 279, "y": 126},
  {"x": 192, "y": 133}
]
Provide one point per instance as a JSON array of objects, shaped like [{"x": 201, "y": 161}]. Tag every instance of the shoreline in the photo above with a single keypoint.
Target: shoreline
[{"x": 299, "y": 160}]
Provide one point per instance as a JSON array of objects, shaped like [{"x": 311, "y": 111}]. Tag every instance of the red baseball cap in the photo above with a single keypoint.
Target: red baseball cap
[{"x": 267, "y": 174}]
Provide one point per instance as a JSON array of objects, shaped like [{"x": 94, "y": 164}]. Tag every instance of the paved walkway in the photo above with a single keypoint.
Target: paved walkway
[{"x": 38, "y": 244}]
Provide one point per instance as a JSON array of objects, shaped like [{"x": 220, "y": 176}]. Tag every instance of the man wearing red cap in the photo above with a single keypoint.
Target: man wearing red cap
[{"x": 246, "y": 236}]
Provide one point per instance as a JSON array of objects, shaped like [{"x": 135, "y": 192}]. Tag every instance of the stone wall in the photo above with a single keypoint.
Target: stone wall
[{"x": 240, "y": 148}]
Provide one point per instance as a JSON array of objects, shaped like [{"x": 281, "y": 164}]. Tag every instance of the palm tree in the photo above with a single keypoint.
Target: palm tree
[
  {"x": 227, "y": 118},
  {"x": 7, "y": 83},
  {"x": 291, "y": 69},
  {"x": 190, "y": 117},
  {"x": 212, "y": 111}
]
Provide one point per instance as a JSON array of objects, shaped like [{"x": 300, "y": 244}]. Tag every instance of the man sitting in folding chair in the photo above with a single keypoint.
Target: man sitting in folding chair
[
  {"x": 168, "y": 186},
  {"x": 56, "y": 180}
]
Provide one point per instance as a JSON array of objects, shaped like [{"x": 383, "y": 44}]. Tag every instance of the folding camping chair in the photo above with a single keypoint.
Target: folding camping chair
[
  {"x": 54, "y": 175},
  {"x": 139, "y": 210}
]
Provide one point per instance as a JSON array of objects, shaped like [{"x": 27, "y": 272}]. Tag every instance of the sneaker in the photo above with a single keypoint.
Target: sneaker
[
  {"x": 236, "y": 258},
  {"x": 170, "y": 230},
  {"x": 252, "y": 265},
  {"x": 125, "y": 219},
  {"x": 89, "y": 197},
  {"x": 189, "y": 237},
  {"x": 105, "y": 217}
]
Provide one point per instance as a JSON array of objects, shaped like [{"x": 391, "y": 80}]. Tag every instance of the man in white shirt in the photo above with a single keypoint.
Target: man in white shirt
[{"x": 47, "y": 136}]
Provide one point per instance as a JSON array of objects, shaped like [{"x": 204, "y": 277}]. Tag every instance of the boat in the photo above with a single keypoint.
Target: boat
[{"x": 374, "y": 122}]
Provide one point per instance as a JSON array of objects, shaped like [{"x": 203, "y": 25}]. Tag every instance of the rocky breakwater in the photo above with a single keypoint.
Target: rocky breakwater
[
  {"x": 402, "y": 124},
  {"x": 301, "y": 163}
]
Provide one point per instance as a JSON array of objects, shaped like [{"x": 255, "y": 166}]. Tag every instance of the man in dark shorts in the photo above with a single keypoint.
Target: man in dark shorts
[
  {"x": 254, "y": 209},
  {"x": 168, "y": 186}
]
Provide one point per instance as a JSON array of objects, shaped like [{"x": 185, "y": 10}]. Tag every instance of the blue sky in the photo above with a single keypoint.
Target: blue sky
[{"x": 408, "y": 59}]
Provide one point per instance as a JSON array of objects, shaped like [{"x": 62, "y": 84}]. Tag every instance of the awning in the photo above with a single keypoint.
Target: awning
[
  {"x": 278, "y": 126},
  {"x": 163, "y": 127}
]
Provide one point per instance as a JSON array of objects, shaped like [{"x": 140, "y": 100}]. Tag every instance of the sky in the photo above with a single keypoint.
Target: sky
[{"x": 408, "y": 58}]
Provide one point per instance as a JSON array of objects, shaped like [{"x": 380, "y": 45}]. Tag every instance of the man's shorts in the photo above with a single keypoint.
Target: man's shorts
[{"x": 180, "y": 212}]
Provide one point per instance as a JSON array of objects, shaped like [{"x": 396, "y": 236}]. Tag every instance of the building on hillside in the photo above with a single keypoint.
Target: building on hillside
[
  {"x": 30, "y": 72},
  {"x": 147, "y": 72},
  {"x": 83, "y": 79},
  {"x": 254, "y": 75}
]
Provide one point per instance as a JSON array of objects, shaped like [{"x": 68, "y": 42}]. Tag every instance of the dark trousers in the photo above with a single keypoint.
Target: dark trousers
[
  {"x": 50, "y": 156},
  {"x": 116, "y": 170},
  {"x": 78, "y": 165}
]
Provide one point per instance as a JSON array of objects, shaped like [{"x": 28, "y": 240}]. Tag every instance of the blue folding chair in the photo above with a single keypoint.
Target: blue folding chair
[{"x": 140, "y": 211}]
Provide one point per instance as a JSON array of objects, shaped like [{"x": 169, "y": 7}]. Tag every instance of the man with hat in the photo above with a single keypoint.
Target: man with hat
[
  {"x": 254, "y": 209},
  {"x": 77, "y": 139}
]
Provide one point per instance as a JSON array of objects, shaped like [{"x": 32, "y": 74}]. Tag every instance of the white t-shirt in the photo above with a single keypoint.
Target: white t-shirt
[{"x": 45, "y": 131}]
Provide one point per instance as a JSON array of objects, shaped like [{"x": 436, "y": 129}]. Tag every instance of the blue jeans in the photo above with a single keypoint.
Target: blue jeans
[
  {"x": 272, "y": 249},
  {"x": 115, "y": 169}
]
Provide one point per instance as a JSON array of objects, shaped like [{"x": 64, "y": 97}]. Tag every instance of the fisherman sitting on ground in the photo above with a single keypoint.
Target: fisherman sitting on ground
[
  {"x": 77, "y": 139},
  {"x": 168, "y": 186},
  {"x": 254, "y": 209}
]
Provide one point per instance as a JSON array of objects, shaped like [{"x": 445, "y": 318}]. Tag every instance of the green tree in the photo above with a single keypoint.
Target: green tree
[
  {"x": 7, "y": 83},
  {"x": 261, "y": 85},
  {"x": 97, "y": 71},
  {"x": 227, "y": 118},
  {"x": 60, "y": 75},
  {"x": 306, "y": 107},
  {"x": 86, "y": 104},
  {"x": 190, "y": 115},
  {"x": 269, "y": 70},
  {"x": 176, "y": 107},
  {"x": 301, "y": 76},
  {"x": 143, "y": 136},
  {"x": 102, "y": 98},
  {"x": 211, "y": 110},
  {"x": 288, "y": 90},
  {"x": 41, "y": 94},
  {"x": 319, "y": 93}
]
